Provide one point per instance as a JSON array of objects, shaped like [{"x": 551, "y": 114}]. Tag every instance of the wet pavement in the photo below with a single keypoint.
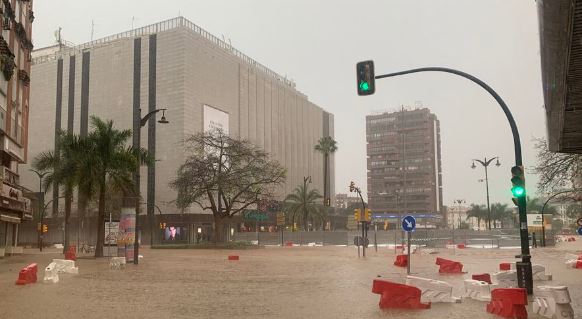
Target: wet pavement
[{"x": 274, "y": 282}]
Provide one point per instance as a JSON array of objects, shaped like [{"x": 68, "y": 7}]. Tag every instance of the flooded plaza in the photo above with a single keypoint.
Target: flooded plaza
[{"x": 274, "y": 282}]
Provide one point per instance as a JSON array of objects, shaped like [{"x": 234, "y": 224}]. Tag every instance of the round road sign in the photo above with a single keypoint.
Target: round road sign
[{"x": 579, "y": 222}]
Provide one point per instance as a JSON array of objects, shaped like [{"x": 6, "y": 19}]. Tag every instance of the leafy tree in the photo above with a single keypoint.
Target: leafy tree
[
  {"x": 225, "y": 175},
  {"x": 326, "y": 145},
  {"x": 301, "y": 206},
  {"x": 479, "y": 212},
  {"x": 61, "y": 168},
  {"x": 557, "y": 170}
]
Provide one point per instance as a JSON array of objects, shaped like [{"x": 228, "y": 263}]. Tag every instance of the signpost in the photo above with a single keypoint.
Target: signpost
[
  {"x": 408, "y": 225},
  {"x": 580, "y": 231},
  {"x": 281, "y": 224}
]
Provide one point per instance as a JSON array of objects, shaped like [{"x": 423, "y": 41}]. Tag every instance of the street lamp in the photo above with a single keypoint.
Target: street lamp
[
  {"x": 137, "y": 145},
  {"x": 485, "y": 163},
  {"x": 40, "y": 202}
]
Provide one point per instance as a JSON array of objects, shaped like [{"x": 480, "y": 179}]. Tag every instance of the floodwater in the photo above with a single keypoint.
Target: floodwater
[{"x": 274, "y": 282}]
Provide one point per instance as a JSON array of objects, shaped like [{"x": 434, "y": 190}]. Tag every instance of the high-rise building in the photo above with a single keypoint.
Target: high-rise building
[
  {"x": 202, "y": 81},
  {"x": 15, "y": 50},
  {"x": 404, "y": 164},
  {"x": 344, "y": 200}
]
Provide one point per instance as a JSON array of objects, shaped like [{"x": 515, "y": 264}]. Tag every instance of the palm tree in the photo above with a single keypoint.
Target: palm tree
[
  {"x": 501, "y": 213},
  {"x": 108, "y": 162},
  {"x": 326, "y": 145},
  {"x": 61, "y": 168},
  {"x": 300, "y": 205},
  {"x": 479, "y": 212}
]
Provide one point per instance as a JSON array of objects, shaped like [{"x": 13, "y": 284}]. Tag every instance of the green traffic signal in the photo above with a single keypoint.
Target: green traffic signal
[
  {"x": 364, "y": 86},
  {"x": 518, "y": 191}
]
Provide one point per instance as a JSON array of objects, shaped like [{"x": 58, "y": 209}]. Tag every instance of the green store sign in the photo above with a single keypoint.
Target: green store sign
[{"x": 255, "y": 216}]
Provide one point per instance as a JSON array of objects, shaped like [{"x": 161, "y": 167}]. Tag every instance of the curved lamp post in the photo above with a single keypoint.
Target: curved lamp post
[
  {"x": 137, "y": 145},
  {"x": 544, "y": 207},
  {"x": 40, "y": 201},
  {"x": 524, "y": 270}
]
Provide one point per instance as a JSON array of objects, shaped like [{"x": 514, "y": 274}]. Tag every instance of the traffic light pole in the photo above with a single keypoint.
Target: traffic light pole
[{"x": 524, "y": 269}]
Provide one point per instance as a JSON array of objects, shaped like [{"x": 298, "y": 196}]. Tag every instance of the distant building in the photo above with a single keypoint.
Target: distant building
[
  {"x": 404, "y": 164},
  {"x": 344, "y": 200},
  {"x": 15, "y": 49}
]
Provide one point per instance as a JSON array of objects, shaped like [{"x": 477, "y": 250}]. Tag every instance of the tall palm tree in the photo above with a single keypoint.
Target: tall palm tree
[
  {"x": 301, "y": 205},
  {"x": 326, "y": 145},
  {"x": 501, "y": 213},
  {"x": 61, "y": 170},
  {"x": 479, "y": 212},
  {"x": 108, "y": 162}
]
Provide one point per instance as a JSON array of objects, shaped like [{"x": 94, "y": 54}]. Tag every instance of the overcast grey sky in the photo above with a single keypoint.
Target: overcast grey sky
[{"x": 317, "y": 43}]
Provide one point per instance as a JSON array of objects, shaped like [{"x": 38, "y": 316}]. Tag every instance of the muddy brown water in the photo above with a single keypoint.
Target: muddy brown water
[{"x": 275, "y": 282}]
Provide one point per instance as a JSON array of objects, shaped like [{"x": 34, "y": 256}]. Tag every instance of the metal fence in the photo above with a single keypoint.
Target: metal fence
[{"x": 430, "y": 238}]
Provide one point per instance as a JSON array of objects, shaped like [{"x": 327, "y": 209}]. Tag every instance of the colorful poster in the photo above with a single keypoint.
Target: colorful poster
[{"x": 126, "y": 237}]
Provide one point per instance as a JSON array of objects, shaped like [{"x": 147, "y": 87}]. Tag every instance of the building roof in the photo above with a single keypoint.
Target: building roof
[
  {"x": 175, "y": 23},
  {"x": 560, "y": 24}
]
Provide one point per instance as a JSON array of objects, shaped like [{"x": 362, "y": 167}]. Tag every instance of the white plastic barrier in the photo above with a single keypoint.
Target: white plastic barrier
[
  {"x": 51, "y": 273},
  {"x": 117, "y": 263},
  {"x": 432, "y": 290},
  {"x": 573, "y": 263},
  {"x": 539, "y": 273},
  {"x": 66, "y": 266},
  {"x": 553, "y": 302},
  {"x": 505, "y": 279},
  {"x": 478, "y": 290}
]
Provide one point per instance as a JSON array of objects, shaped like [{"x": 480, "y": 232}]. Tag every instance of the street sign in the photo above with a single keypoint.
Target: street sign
[
  {"x": 580, "y": 231},
  {"x": 361, "y": 241},
  {"x": 408, "y": 223},
  {"x": 280, "y": 219},
  {"x": 579, "y": 222}
]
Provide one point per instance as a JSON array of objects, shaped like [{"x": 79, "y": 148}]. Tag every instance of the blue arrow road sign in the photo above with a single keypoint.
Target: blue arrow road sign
[
  {"x": 580, "y": 231},
  {"x": 408, "y": 223}
]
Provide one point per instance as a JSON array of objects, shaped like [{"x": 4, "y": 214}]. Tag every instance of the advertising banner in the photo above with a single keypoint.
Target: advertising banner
[{"x": 126, "y": 236}]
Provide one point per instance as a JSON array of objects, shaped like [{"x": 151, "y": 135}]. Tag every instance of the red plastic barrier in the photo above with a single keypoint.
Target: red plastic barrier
[
  {"x": 401, "y": 261},
  {"x": 508, "y": 303},
  {"x": 289, "y": 243},
  {"x": 395, "y": 295},
  {"x": 482, "y": 277},
  {"x": 449, "y": 266},
  {"x": 461, "y": 246},
  {"x": 505, "y": 266},
  {"x": 578, "y": 264},
  {"x": 71, "y": 253},
  {"x": 27, "y": 275},
  {"x": 399, "y": 246},
  {"x": 233, "y": 258}
]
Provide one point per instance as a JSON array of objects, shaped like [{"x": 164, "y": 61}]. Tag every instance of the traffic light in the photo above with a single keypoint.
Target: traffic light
[
  {"x": 357, "y": 214},
  {"x": 45, "y": 228},
  {"x": 517, "y": 181},
  {"x": 368, "y": 215},
  {"x": 365, "y": 75}
]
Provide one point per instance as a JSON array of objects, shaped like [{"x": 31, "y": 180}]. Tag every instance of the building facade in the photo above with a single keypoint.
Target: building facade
[
  {"x": 344, "y": 200},
  {"x": 202, "y": 81},
  {"x": 15, "y": 50},
  {"x": 404, "y": 164}
]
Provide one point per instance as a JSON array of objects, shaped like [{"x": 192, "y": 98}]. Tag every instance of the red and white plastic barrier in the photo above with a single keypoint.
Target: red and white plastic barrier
[
  {"x": 508, "y": 303},
  {"x": 51, "y": 273},
  {"x": 477, "y": 290},
  {"x": 66, "y": 266},
  {"x": 432, "y": 290},
  {"x": 393, "y": 295},
  {"x": 27, "y": 275},
  {"x": 505, "y": 279},
  {"x": 449, "y": 266},
  {"x": 553, "y": 302}
]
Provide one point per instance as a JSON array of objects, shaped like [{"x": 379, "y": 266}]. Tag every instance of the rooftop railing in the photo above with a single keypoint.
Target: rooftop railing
[{"x": 175, "y": 23}]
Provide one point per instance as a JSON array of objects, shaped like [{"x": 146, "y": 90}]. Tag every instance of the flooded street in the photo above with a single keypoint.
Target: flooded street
[{"x": 275, "y": 282}]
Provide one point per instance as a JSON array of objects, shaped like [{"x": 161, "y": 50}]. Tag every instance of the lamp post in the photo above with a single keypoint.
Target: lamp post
[
  {"x": 485, "y": 163},
  {"x": 40, "y": 202},
  {"x": 458, "y": 202},
  {"x": 137, "y": 145},
  {"x": 544, "y": 207}
]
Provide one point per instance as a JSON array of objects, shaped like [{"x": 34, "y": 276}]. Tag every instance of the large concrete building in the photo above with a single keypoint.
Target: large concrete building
[
  {"x": 201, "y": 80},
  {"x": 15, "y": 50},
  {"x": 404, "y": 165}
]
